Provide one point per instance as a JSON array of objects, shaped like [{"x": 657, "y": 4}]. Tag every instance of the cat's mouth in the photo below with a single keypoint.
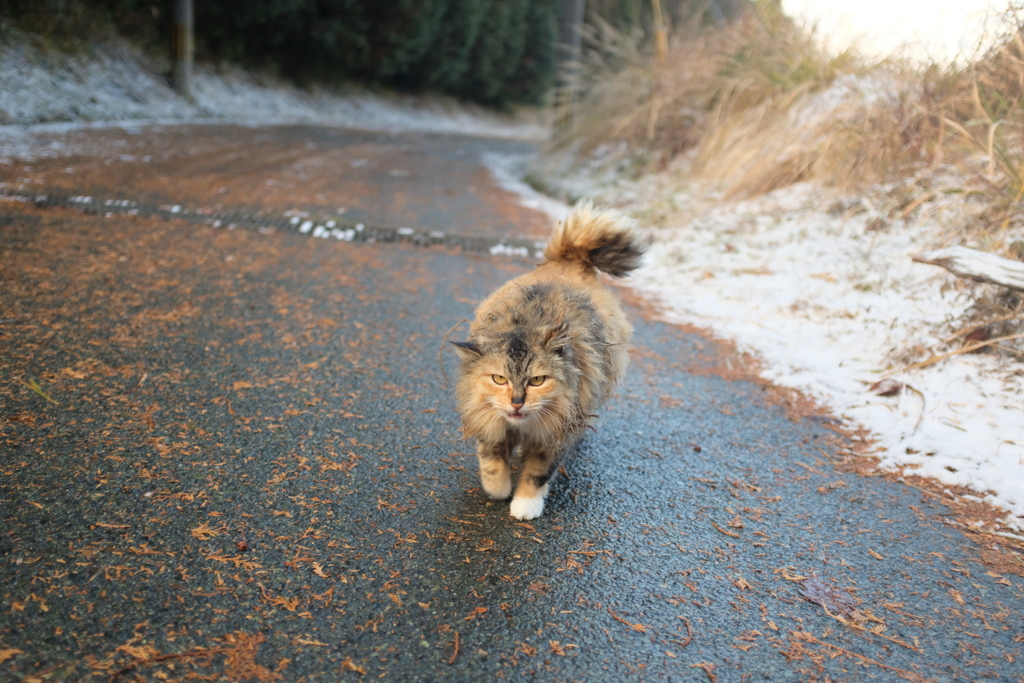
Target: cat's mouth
[{"x": 516, "y": 415}]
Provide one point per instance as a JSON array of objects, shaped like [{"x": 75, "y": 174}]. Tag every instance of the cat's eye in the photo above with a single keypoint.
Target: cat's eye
[
  {"x": 537, "y": 381},
  {"x": 499, "y": 379}
]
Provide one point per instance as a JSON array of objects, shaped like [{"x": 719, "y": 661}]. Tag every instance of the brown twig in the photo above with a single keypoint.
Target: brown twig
[
  {"x": 689, "y": 633},
  {"x": 857, "y": 627},
  {"x": 455, "y": 653},
  {"x": 642, "y": 628},
  {"x": 966, "y": 349},
  {"x": 191, "y": 654},
  {"x": 986, "y": 532},
  {"x": 909, "y": 675},
  {"x": 727, "y": 533},
  {"x": 977, "y": 326}
]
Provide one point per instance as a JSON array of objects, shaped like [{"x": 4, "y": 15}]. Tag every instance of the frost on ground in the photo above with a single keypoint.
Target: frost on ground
[
  {"x": 822, "y": 289},
  {"x": 114, "y": 83},
  {"x": 831, "y": 305}
]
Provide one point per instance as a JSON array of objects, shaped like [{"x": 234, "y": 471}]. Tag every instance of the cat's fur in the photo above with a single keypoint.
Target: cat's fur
[{"x": 559, "y": 326}]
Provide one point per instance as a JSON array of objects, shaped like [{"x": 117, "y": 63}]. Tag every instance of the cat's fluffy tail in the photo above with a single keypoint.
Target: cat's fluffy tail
[{"x": 604, "y": 240}]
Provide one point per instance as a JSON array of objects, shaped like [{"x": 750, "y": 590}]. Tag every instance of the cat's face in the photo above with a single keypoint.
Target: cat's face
[
  {"x": 515, "y": 382},
  {"x": 518, "y": 396}
]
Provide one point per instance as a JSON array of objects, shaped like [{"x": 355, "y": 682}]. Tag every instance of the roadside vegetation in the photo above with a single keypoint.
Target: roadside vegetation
[
  {"x": 747, "y": 107},
  {"x": 491, "y": 52}
]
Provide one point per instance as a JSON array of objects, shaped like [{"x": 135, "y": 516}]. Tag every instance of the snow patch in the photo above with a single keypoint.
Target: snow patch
[
  {"x": 825, "y": 301},
  {"x": 112, "y": 85}
]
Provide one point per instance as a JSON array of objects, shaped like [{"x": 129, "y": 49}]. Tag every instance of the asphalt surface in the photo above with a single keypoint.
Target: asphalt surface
[{"x": 233, "y": 455}]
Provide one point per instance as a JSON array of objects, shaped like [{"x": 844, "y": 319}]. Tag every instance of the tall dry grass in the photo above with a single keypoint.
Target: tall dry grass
[
  {"x": 714, "y": 86},
  {"x": 759, "y": 104}
]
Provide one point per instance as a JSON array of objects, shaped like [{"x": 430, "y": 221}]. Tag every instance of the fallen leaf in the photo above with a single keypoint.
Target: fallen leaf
[
  {"x": 8, "y": 653},
  {"x": 835, "y": 600}
]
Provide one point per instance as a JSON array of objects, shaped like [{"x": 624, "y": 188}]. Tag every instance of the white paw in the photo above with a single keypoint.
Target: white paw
[{"x": 526, "y": 508}]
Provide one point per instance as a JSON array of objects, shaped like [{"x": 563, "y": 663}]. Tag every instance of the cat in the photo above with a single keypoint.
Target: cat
[{"x": 544, "y": 352}]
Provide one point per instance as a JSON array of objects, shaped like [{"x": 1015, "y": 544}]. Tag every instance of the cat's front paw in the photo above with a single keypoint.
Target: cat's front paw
[
  {"x": 496, "y": 482},
  {"x": 526, "y": 508}
]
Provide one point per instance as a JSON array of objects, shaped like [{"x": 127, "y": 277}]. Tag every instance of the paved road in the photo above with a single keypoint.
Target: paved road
[{"x": 242, "y": 462}]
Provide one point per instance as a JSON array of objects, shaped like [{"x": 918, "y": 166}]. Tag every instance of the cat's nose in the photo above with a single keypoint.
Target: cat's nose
[{"x": 517, "y": 403}]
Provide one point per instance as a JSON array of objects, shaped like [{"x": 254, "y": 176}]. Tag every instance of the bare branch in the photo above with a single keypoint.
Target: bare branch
[{"x": 977, "y": 265}]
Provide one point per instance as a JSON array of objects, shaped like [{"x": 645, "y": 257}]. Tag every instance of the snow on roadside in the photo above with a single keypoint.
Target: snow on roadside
[
  {"x": 112, "y": 85},
  {"x": 826, "y": 302}
]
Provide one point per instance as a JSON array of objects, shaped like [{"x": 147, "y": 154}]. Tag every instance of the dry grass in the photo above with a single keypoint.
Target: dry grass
[
  {"x": 743, "y": 75},
  {"x": 759, "y": 104}
]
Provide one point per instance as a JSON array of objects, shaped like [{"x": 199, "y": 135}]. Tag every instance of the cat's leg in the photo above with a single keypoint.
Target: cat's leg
[
  {"x": 495, "y": 474},
  {"x": 537, "y": 468}
]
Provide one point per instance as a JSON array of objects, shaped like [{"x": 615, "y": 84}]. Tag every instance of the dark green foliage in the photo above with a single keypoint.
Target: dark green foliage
[
  {"x": 447, "y": 63},
  {"x": 628, "y": 15},
  {"x": 497, "y": 51},
  {"x": 488, "y": 51},
  {"x": 536, "y": 71}
]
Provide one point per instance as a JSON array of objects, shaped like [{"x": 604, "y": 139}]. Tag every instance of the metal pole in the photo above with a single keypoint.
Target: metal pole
[
  {"x": 182, "y": 48},
  {"x": 570, "y": 24}
]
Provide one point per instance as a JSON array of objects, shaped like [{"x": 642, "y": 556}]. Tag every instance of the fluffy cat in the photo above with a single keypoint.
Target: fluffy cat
[{"x": 544, "y": 352}]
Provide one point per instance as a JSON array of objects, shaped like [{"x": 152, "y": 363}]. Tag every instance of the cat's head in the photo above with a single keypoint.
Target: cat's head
[{"x": 521, "y": 379}]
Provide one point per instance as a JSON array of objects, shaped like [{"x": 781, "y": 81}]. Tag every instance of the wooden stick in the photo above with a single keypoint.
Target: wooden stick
[{"x": 977, "y": 265}]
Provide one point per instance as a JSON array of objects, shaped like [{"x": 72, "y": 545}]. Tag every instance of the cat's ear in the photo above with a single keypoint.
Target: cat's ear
[
  {"x": 557, "y": 338},
  {"x": 467, "y": 350}
]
